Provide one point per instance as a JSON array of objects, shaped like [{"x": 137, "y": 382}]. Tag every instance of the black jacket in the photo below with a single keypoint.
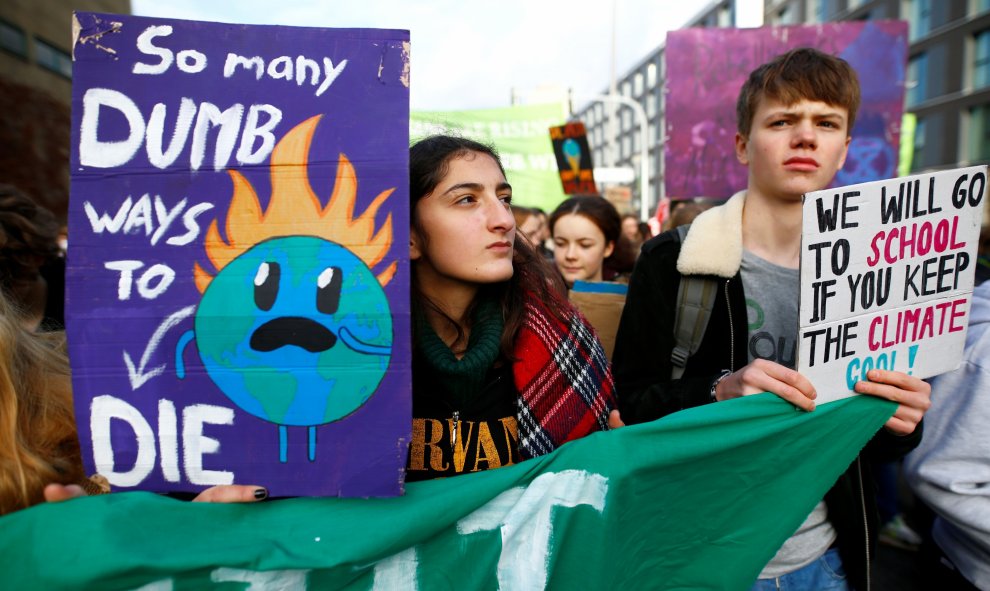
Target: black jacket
[{"x": 642, "y": 367}]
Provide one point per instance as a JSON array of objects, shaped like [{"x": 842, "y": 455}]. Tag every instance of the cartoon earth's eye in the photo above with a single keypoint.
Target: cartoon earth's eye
[
  {"x": 266, "y": 285},
  {"x": 328, "y": 286}
]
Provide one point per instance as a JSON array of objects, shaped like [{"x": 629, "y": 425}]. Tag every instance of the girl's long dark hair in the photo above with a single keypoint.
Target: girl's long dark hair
[{"x": 532, "y": 277}]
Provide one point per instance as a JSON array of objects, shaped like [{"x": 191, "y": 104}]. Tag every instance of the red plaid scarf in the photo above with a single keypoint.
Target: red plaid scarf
[{"x": 563, "y": 379}]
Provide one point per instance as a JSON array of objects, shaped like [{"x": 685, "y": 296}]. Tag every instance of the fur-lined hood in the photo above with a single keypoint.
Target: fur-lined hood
[{"x": 714, "y": 244}]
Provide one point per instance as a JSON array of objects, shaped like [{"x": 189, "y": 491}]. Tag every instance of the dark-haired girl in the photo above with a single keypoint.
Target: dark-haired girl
[
  {"x": 588, "y": 241},
  {"x": 504, "y": 369}
]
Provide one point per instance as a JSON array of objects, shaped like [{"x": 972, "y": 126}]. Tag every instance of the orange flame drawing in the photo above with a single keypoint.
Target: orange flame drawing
[{"x": 295, "y": 210}]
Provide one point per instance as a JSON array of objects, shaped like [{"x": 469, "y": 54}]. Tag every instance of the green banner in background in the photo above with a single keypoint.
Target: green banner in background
[
  {"x": 909, "y": 123},
  {"x": 520, "y": 134},
  {"x": 701, "y": 499}
]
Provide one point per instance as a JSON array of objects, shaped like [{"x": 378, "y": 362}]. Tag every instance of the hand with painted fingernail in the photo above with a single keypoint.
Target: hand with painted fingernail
[
  {"x": 232, "y": 493},
  {"x": 225, "y": 493}
]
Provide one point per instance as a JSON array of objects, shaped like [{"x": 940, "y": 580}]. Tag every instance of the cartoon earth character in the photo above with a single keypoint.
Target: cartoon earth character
[
  {"x": 295, "y": 328},
  {"x": 296, "y": 331}
]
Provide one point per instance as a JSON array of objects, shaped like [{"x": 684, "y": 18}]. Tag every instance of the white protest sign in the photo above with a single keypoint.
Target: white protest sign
[{"x": 887, "y": 271}]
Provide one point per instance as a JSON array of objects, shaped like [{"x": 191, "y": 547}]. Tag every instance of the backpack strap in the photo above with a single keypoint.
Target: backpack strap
[{"x": 695, "y": 300}]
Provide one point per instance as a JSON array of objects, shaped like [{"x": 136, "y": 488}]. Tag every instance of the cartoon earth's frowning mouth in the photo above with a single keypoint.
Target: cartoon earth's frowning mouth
[{"x": 292, "y": 330}]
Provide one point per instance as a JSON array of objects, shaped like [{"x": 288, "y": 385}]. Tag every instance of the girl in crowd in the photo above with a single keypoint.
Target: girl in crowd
[
  {"x": 489, "y": 316},
  {"x": 528, "y": 224},
  {"x": 531, "y": 223},
  {"x": 635, "y": 231},
  {"x": 588, "y": 243}
]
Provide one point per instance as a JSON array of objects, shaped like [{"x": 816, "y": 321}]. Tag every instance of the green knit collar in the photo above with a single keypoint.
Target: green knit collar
[{"x": 464, "y": 377}]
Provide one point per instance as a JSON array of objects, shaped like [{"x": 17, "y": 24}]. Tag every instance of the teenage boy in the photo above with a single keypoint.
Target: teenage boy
[{"x": 794, "y": 118}]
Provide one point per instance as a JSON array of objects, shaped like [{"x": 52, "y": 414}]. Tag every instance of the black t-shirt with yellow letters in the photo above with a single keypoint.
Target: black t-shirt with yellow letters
[{"x": 452, "y": 436}]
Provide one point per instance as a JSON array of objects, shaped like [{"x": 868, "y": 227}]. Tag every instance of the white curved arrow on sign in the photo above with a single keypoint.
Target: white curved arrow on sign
[{"x": 138, "y": 376}]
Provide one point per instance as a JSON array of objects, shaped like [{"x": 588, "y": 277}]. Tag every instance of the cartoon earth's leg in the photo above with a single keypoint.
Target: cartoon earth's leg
[
  {"x": 283, "y": 443},
  {"x": 312, "y": 443}
]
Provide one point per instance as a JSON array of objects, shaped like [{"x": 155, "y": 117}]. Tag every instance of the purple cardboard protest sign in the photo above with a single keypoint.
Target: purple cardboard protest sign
[
  {"x": 238, "y": 279},
  {"x": 707, "y": 67}
]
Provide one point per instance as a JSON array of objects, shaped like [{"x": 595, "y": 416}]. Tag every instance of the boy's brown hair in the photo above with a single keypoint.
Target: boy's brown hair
[{"x": 803, "y": 73}]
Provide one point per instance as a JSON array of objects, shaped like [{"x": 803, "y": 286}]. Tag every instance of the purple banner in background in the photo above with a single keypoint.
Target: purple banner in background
[
  {"x": 238, "y": 277},
  {"x": 707, "y": 67}
]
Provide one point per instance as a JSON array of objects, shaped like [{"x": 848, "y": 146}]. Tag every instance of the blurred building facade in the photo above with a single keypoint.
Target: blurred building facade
[
  {"x": 947, "y": 81},
  {"x": 36, "y": 93}
]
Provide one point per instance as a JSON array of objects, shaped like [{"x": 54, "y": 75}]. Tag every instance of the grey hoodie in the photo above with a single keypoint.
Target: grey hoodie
[{"x": 950, "y": 470}]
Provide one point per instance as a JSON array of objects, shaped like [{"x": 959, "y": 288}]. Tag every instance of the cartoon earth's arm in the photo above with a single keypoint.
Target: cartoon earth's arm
[
  {"x": 180, "y": 365},
  {"x": 361, "y": 347}
]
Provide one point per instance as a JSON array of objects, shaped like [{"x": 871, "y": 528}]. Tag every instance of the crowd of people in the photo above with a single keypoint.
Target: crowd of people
[{"x": 491, "y": 321}]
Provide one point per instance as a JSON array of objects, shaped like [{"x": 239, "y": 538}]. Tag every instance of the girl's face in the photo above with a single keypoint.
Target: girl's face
[
  {"x": 466, "y": 229},
  {"x": 532, "y": 229},
  {"x": 579, "y": 248},
  {"x": 630, "y": 228}
]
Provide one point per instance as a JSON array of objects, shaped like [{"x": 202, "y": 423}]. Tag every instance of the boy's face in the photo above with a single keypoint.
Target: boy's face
[{"x": 794, "y": 149}]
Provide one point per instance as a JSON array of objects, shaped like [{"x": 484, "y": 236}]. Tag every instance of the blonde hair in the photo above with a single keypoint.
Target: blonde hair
[{"x": 38, "y": 442}]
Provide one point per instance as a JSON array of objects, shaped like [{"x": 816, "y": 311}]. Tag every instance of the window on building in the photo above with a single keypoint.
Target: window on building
[
  {"x": 12, "y": 39},
  {"x": 653, "y": 134},
  {"x": 979, "y": 133},
  {"x": 724, "y": 17},
  {"x": 651, "y": 105},
  {"x": 981, "y": 60},
  {"x": 823, "y": 10},
  {"x": 597, "y": 157},
  {"x": 626, "y": 119},
  {"x": 626, "y": 88},
  {"x": 918, "y": 157},
  {"x": 626, "y": 147},
  {"x": 917, "y": 79},
  {"x": 52, "y": 58},
  {"x": 787, "y": 15},
  {"x": 651, "y": 76},
  {"x": 919, "y": 15},
  {"x": 638, "y": 84}
]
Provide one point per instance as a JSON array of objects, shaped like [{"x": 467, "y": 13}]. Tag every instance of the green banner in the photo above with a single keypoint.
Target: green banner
[
  {"x": 699, "y": 500},
  {"x": 522, "y": 137},
  {"x": 909, "y": 124}
]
